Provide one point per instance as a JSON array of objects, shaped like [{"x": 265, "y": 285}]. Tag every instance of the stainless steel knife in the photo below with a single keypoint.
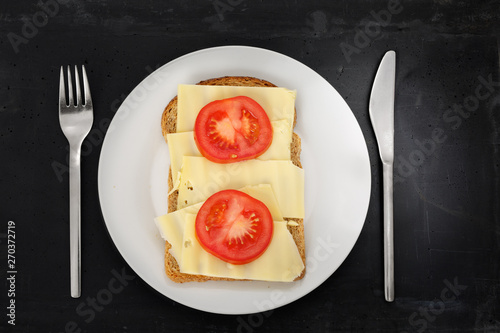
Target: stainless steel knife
[{"x": 382, "y": 117}]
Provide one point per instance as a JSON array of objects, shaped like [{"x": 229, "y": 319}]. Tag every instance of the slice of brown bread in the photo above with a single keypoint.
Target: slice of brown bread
[{"x": 168, "y": 125}]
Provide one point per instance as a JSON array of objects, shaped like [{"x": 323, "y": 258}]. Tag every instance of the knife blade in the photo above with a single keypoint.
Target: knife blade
[{"x": 381, "y": 111}]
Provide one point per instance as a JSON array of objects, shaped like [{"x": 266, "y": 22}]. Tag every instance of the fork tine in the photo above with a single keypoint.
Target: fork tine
[
  {"x": 62, "y": 93},
  {"x": 71, "y": 102},
  {"x": 86, "y": 87},
  {"x": 77, "y": 85}
]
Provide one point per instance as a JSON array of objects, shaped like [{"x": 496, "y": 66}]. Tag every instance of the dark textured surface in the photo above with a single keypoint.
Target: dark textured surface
[{"x": 446, "y": 205}]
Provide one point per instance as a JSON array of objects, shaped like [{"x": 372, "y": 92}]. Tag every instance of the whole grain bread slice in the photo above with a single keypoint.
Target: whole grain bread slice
[{"x": 168, "y": 125}]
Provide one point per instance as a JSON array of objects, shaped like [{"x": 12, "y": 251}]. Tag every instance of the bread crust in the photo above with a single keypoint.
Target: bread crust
[{"x": 168, "y": 125}]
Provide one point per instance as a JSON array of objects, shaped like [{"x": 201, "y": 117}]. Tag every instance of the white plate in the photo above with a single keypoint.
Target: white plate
[{"x": 134, "y": 163}]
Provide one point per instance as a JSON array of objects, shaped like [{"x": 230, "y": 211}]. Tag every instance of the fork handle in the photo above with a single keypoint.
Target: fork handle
[
  {"x": 74, "y": 220},
  {"x": 388, "y": 232}
]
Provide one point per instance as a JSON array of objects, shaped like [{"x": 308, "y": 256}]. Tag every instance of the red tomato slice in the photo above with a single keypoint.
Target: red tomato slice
[
  {"x": 234, "y": 226},
  {"x": 232, "y": 129}
]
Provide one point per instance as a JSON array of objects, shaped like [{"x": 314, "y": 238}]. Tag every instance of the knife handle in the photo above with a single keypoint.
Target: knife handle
[{"x": 388, "y": 232}]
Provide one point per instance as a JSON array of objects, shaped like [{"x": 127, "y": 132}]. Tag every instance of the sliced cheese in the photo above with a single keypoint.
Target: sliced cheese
[
  {"x": 201, "y": 178},
  {"x": 172, "y": 224},
  {"x": 264, "y": 193},
  {"x": 279, "y": 103},
  {"x": 280, "y": 262},
  {"x": 183, "y": 144},
  {"x": 171, "y": 227},
  {"x": 272, "y": 179}
]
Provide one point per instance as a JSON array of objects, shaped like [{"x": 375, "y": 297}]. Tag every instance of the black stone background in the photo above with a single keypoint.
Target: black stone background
[{"x": 446, "y": 207}]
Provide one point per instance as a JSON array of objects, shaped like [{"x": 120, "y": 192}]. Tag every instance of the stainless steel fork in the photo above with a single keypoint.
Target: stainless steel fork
[{"x": 76, "y": 118}]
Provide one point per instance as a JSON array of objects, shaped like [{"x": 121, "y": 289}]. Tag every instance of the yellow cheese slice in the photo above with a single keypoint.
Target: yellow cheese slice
[
  {"x": 279, "y": 103},
  {"x": 280, "y": 262},
  {"x": 201, "y": 178},
  {"x": 264, "y": 193},
  {"x": 171, "y": 225},
  {"x": 182, "y": 144}
]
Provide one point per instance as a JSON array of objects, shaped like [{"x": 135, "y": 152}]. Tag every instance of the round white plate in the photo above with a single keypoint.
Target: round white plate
[{"x": 134, "y": 164}]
